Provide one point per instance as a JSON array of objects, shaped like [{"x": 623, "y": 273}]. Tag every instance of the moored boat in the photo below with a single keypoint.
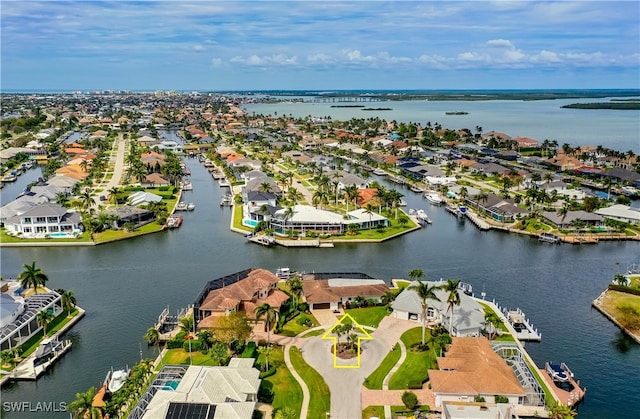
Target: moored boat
[
  {"x": 379, "y": 172},
  {"x": 116, "y": 379},
  {"x": 434, "y": 198},
  {"x": 559, "y": 372},
  {"x": 174, "y": 221},
  {"x": 549, "y": 238},
  {"x": 191, "y": 206},
  {"x": 182, "y": 206}
]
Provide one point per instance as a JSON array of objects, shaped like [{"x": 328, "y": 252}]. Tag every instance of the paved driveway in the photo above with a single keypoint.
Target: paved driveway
[{"x": 345, "y": 384}]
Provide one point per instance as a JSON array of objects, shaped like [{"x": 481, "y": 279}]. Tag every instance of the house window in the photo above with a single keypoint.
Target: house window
[
  {"x": 41, "y": 219},
  {"x": 41, "y": 229},
  {"x": 52, "y": 219},
  {"x": 53, "y": 229},
  {"x": 27, "y": 220},
  {"x": 27, "y": 230}
]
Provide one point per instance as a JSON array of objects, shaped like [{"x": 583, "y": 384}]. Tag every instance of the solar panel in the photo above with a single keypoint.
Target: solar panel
[{"x": 190, "y": 411}]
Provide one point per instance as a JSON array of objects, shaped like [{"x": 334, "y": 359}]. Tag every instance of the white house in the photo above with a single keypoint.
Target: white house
[
  {"x": 468, "y": 317},
  {"x": 621, "y": 213},
  {"x": 44, "y": 219}
]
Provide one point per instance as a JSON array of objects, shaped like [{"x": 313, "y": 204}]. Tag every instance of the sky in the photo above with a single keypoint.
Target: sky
[{"x": 318, "y": 45}]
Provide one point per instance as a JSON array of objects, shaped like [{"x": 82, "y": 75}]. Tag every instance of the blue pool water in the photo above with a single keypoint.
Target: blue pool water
[
  {"x": 250, "y": 223},
  {"x": 61, "y": 235},
  {"x": 171, "y": 385}
]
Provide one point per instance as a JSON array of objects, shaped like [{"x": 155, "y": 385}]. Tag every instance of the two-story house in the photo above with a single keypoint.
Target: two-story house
[{"x": 45, "y": 219}]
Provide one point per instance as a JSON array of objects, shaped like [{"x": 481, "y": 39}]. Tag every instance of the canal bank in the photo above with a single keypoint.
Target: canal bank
[{"x": 124, "y": 285}]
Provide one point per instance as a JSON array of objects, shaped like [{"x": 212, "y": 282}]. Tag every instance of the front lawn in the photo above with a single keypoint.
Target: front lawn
[
  {"x": 320, "y": 402},
  {"x": 293, "y": 327},
  {"x": 286, "y": 390},
  {"x": 6, "y": 238},
  {"x": 373, "y": 412},
  {"x": 414, "y": 368},
  {"x": 374, "y": 381},
  {"x": 368, "y": 316}
]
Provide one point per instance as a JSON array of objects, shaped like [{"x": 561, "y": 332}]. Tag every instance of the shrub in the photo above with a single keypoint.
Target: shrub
[
  {"x": 174, "y": 344},
  {"x": 479, "y": 399},
  {"x": 268, "y": 373},
  {"x": 304, "y": 307},
  {"x": 265, "y": 392},
  {"x": 501, "y": 399},
  {"x": 414, "y": 384},
  {"x": 410, "y": 400},
  {"x": 304, "y": 321},
  {"x": 192, "y": 345},
  {"x": 181, "y": 335},
  {"x": 163, "y": 188},
  {"x": 249, "y": 351}
]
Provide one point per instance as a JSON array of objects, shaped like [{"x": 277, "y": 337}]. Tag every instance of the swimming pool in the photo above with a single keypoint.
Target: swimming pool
[
  {"x": 250, "y": 223},
  {"x": 61, "y": 235},
  {"x": 171, "y": 385}
]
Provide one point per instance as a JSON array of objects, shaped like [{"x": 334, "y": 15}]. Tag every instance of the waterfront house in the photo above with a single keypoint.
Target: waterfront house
[
  {"x": 189, "y": 391},
  {"x": 621, "y": 212},
  {"x": 526, "y": 142},
  {"x": 19, "y": 316},
  {"x": 466, "y": 410},
  {"x": 43, "y": 219},
  {"x": 154, "y": 180},
  {"x": 468, "y": 317},
  {"x": 334, "y": 293},
  {"x": 472, "y": 369},
  {"x": 571, "y": 218},
  {"x": 498, "y": 208},
  {"x": 242, "y": 291},
  {"x": 143, "y": 198},
  {"x": 306, "y": 219},
  {"x": 128, "y": 214}
]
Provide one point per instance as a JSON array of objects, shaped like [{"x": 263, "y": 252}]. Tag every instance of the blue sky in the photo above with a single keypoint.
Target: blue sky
[{"x": 213, "y": 45}]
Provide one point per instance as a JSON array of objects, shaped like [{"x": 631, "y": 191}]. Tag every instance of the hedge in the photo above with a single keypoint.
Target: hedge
[
  {"x": 622, "y": 288},
  {"x": 268, "y": 373},
  {"x": 249, "y": 351}
]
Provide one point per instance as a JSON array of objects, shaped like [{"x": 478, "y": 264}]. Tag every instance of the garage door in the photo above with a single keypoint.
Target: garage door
[{"x": 320, "y": 306}]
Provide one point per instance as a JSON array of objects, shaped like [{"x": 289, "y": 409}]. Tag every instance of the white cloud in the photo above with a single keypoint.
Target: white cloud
[
  {"x": 500, "y": 43},
  {"x": 216, "y": 62},
  {"x": 265, "y": 60}
]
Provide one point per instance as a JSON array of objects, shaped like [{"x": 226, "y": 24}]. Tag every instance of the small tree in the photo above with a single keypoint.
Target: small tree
[{"x": 410, "y": 400}]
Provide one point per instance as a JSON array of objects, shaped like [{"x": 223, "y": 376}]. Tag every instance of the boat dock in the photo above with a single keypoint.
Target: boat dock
[
  {"x": 167, "y": 324},
  {"x": 570, "y": 392},
  {"x": 28, "y": 370},
  {"x": 522, "y": 327},
  {"x": 477, "y": 221}
]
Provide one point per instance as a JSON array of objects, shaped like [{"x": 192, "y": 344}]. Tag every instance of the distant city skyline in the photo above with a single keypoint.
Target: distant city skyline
[{"x": 329, "y": 45}]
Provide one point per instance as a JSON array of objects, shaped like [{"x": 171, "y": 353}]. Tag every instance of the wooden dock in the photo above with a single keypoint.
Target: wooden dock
[
  {"x": 522, "y": 327},
  {"x": 27, "y": 370},
  {"x": 566, "y": 397}
]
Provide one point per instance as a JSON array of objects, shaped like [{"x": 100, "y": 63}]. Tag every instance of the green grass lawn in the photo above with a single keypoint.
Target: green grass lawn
[
  {"x": 5, "y": 238},
  {"x": 237, "y": 219},
  {"x": 373, "y": 412},
  {"x": 374, "y": 381},
  {"x": 320, "y": 402},
  {"x": 286, "y": 390},
  {"x": 293, "y": 328},
  {"x": 415, "y": 366},
  {"x": 180, "y": 356},
  {"x": 368, "y": 316},
  {"x": 110, "y": 235},
  {"x": 313, "y": 333}
]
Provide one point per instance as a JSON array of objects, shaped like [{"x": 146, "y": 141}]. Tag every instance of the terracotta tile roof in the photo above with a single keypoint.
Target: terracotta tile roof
[
  {"x": 366, "y": 195},
  {"x": 471, "y": 367},
  {"x": 319, "y": 291},
  {"x": 243, "y": 291}
]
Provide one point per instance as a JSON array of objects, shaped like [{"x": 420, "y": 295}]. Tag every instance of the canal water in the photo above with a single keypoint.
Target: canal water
[{"x": 124, "y": 286}]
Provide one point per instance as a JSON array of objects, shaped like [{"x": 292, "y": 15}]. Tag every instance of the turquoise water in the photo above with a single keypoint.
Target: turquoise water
[
  {"x": 61, "y": 235},
  {"x": 171, "y": 385},
  {"x": 250, "y": 223}
]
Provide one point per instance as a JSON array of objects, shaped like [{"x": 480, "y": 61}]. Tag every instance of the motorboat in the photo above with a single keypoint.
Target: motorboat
[
  {"x": 380, "y": 172},
  {"x": 117, "y": 379},
  {"x": 47, "y": 348},
  {"x": 191, "y": 206},
  {"x": 466, "y": 288},
  {"x": 182, "y": 206},
  {"x": 284, "y": 273},
  {"x": 174, "y": 221},
  {"x": 422, "y": 216},
  {"x": 434, "y": 198},
  {"x": 549, "y": 238},
  {"x": 559, "y": 372}
]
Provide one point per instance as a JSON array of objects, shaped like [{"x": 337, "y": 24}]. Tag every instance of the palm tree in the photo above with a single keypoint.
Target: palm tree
[
  {"x": 62, "y": 199},
  {"x": 482, "y": 197},
  {"x": 32, "y": 277},
  {"x": 416, "y": 274},
  {"x": 620, "y": 279},
  {"x": 295, "y": 288},
  {"x": 425, "y": 292},
  {"x": 493, "y": 320},
  {"x": 82, "y": 406},
  {"x": 266, "y": 351},
  {"x": 561, "y": 411},
  {"x": 288, "y": 213},
  {"x": 86, "y": 200},
  {"x": 187, "y": 323},
  {"x": 294, "y": 195},
  {"x": 453, "y": 299},
  {"x": 113, "y": 195},
  {"x": 67, "y": 300},
  {"x": 320, "y": 197},
  {"x": 464, "y": 193},
  {"x": 351, "y": 193},
  {"x": 265, "y": 187},
  {"x": 369, "y": 209},
  {"x": 44, "y": 318},
  {"x": 271, "y": 316},
  {"x": 152, "y": 336}
]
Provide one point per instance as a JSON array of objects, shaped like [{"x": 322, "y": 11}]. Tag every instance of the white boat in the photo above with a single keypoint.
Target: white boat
[
  {"x": 560, "y": 373},
  {"x": 191, "y": 206},
  {"x": 379, "y": 172},
  {"x": 187, "y": 186},
  {"x": 117, "y": 379},
  {"x": 434, "y": 198},
  {"x": 182, "y": 206},
  {"x": 284, "y": 273},
  {"x": 549, "y": 238},
  {"x": 422, "y": 216}
]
